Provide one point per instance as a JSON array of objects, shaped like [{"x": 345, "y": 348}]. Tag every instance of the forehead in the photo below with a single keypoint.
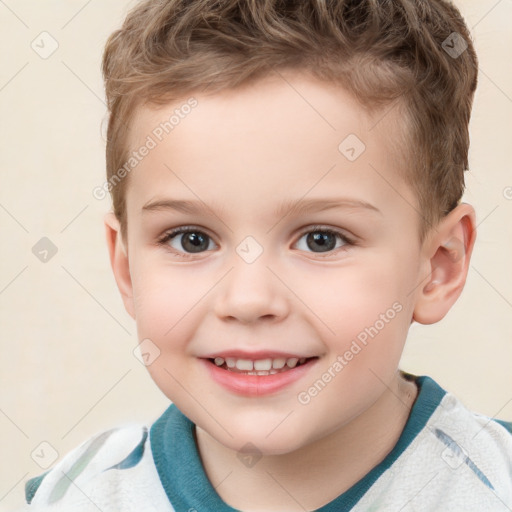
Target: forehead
[
  {"x": 307, "y": 105},
  {"x": 283, "y": 136}
]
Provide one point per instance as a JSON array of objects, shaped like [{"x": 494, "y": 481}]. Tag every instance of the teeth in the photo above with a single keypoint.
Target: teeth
[
  {"x": 278, "y": 363},
  {"x": 261, "y": 366},
  {"x": 292, "y": 362},
  {"x": 244, "y": 364},
  {"x": 271, "y": 372}
]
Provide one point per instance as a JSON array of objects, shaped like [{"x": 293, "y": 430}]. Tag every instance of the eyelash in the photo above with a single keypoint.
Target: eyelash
[{"x": 312, "y": 229}]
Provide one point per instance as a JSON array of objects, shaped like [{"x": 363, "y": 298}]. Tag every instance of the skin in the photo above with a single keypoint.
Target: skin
[{"x": 247, "y": 151}]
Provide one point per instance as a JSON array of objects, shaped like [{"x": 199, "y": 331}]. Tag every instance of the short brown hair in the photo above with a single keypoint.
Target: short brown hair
[{"x": 380, "y": 51}]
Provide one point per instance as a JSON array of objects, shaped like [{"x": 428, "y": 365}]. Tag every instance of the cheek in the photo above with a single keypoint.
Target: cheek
[
  {"x": 163, "y": 299},
  {"x": 367, "y": 314},
  {"x": 165, "y": 303},
  {"x": 358, "y": 295}
]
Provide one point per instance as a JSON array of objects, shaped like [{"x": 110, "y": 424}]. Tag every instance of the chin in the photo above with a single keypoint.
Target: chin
[{"x": 257, "y": 439}]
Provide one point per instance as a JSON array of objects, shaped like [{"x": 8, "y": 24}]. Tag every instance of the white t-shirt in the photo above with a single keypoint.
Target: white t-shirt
[{"x": 446, "y": 459}]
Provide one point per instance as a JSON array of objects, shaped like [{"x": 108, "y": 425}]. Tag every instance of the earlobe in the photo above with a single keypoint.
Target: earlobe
[
  {"x": 119, "y": 261},
  {"x": 447, "y": 255}
]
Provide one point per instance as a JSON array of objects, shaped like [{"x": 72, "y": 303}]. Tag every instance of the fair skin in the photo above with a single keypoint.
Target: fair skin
[{"x": 243, "y": 153}]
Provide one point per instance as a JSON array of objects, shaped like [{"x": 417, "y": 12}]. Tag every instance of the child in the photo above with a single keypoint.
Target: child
[{"x": 242, "y": 133}]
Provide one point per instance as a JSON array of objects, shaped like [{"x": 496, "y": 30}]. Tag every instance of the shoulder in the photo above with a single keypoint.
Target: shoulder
[
  {"x": 492, "y": 435},
  {"x": 476, "y": 446},
  {"x": 460, "y": 434},
  {"x": 102, "y": 471},
  {"x": 451, "y": 416},
  {"x": 463, "y": 457},
  {"x": 487, "y": 431},
  {"x": 482, "y": 434},
  {"x": 506, "y": 424}
]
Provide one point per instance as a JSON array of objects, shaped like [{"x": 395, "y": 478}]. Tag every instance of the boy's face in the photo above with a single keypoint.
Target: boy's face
[{"x": 259, "y": 279}]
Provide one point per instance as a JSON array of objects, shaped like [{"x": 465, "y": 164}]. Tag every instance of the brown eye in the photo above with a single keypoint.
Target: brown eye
[
  {"x": 194, "y": 242},
  {"x": 322, "y": 240},
  {"x": 186, "y": 241},
  {"x": 325, "y": 241}
]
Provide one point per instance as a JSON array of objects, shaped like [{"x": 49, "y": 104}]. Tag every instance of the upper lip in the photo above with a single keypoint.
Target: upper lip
[{"x": 254, "y": 356}]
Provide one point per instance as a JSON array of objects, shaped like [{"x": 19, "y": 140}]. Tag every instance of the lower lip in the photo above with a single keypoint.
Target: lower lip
[{"x": 257, "y": 385}]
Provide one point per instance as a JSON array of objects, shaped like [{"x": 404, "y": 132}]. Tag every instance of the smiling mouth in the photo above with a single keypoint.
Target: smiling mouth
[{"x": 269, "y": 367}]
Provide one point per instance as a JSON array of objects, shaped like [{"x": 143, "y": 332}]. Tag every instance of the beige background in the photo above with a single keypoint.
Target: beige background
[{"x": 67, "y": 369}]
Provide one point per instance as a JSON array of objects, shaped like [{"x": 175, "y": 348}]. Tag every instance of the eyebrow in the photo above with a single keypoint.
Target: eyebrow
[{"x": 296, "y": 207}]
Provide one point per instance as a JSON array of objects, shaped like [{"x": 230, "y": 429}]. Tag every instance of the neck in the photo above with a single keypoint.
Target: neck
[{"x": 314, "y": 475}]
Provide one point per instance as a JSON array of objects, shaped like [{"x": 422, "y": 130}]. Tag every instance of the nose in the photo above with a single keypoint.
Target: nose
[{"x": 252, "y": 291}]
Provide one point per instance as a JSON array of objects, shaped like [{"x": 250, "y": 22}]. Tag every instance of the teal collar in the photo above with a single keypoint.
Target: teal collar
[{"x": 187, "y": 486}]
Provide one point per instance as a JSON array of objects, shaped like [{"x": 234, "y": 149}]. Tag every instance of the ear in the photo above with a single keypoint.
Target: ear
[
  {"x": 446, "y": 254},
  {"x": 119, "y": 261}
]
